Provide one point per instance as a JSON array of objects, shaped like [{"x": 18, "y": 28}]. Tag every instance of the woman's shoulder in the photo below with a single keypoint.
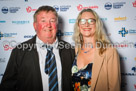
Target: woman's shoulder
[{"x": 111, "y": 51}]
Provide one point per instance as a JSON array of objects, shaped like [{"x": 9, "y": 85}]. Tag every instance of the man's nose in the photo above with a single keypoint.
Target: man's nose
[{"x": 48, "y": 24}]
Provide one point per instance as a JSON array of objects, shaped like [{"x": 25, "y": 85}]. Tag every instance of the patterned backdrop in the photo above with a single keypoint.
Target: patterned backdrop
[{"x": 118, "y": 16}]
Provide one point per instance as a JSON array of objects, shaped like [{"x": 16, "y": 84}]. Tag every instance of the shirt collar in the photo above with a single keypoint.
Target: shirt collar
[{"x": 40, "y": 43}]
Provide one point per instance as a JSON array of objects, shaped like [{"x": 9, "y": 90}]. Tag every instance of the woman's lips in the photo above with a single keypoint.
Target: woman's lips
[{"x": 87, "y": 29}]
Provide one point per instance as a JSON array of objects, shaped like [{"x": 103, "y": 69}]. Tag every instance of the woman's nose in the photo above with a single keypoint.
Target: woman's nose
[{"x": 86, "y": 23}]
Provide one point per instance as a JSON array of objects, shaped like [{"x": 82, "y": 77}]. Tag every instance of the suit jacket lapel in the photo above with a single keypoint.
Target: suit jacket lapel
[
  {"x": 98, "y": 61},
  {"x": 34, "y": 53},
  {"x": 66, "y": 67}
]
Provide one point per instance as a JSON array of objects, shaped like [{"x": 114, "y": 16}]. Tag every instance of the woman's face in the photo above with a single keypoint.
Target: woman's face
[{"x": 87, "y": 24}]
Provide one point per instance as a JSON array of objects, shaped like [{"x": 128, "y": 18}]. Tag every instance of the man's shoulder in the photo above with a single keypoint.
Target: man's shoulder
[
  {"x": 26, "y": 44},
  {"x": 63, "y": 41},
  {"x": 32, "y": 40}
]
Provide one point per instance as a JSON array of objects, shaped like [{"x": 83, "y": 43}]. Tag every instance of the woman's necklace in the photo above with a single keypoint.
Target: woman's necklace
[
  {"x": 86, "y": 51},
  {"x": 89, "y": 45}
]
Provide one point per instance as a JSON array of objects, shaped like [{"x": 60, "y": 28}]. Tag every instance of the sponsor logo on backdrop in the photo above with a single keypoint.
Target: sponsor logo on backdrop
[
  {"x": 9, "y": 45},
  {"x": 135, "y": 58},
  {"x": 59, "y": 33},
  {"x": 29, "y": 9},
  {"x": 81, "y": 7},
  {"x": 5, "y": 10},
  {"x": 103, "y": 19},
  {"x": 133, "y": 73},
  {"x": 124, "y": 44},
  {"x": 2, "y": 60},
  {"x": 123, "y": 32},
  {"x": 132, "y": 31},
  {"x": 135, "y": 86},
  {"x": 120, "y": 19},
  {"x": 62, "y": 8},
  {"x": 67, "y": 33},
  {"x": 72, "y": 20},
  {"x": 128, "y": 74},
  {"x": 56, "y": 7},
  {"x": 28, "y": 36},
  {"x": 133, "y": 69},
  {"x": 116, "y": 5},
  {"x": 118, "y": 45},
  {"x": 7, "y": 35},
  {"x": 20, "y": 22},
  {"x": 123, "y": 58},
  {"x": 121, "y": 46},
  {"x": 2, "y": 21},
  {"x": 134, "y": 3},
  {"x": 108, "y": 6},
  {"x": 14, "y": 9}
]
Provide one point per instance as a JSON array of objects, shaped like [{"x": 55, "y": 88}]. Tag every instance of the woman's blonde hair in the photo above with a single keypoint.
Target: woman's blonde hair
[{"x": 99, "y": 35}]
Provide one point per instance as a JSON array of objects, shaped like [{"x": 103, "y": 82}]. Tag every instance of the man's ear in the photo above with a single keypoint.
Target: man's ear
[{"x": 35, "y": 27}]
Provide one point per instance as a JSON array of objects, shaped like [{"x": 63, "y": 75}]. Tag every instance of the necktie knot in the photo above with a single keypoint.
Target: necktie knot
[{"x": 49, "y": 48}]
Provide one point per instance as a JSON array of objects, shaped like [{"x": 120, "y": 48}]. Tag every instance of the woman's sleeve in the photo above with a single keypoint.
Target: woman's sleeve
[{"x": 114, "y": 75}]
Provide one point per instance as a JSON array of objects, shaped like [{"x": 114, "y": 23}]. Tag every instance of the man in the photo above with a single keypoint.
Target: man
[{"x": 26, "y": 67}]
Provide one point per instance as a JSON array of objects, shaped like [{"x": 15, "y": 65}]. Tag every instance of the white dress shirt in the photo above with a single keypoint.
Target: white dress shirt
[{"x": 42, "y": 51}]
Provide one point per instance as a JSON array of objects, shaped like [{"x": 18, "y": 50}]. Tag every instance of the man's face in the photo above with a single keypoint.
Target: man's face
[{"x": 46, "y": 26}]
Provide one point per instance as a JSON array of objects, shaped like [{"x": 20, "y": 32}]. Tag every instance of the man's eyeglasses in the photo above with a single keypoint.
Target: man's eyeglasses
[{"x": 90, "y": 21}]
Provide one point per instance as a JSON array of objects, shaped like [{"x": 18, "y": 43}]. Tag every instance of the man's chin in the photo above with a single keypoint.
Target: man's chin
[{"x": 50, "y": 40}]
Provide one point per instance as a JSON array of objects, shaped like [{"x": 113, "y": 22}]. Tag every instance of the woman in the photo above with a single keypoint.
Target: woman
[{"x": 96, "y": 66}]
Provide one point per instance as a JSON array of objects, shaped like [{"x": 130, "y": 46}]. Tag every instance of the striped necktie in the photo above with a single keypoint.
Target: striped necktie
[{"x": 51, "y": 69}]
